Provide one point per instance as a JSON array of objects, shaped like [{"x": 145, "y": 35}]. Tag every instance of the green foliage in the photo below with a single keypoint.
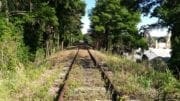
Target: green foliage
[
  {"x": 8, "y": 46},
  {"x": 142, "y": 43},
  {"x": 69, "y": 14},
  {"x": 29, "y": 31},
  {"x": 112, "y": 21},
  {"x": 45, "y": 24},
  {"x": 140, "y": 81},
  {"x": 175, "y": 60},
  {"x": 39, "y": 27},
  {"x": 88, "y": 39},
  {"x": 168, "y": 11}
]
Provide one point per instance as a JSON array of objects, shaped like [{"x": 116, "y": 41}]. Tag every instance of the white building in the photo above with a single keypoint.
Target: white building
[
  {"x": 160, "y": 49},
  {"x": 163, "y": 42},
  {"x": 153, "y": 53}
]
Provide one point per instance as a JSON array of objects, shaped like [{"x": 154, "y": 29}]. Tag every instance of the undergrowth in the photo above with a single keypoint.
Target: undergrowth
[
  {"x": 13, "y": 82},
  {"x": 29, "y": 82},
  {"x": 137, "y": 81},
  {"x": 146, "y": 83}
]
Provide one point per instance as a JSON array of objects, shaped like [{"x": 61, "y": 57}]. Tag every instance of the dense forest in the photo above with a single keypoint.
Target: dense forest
[{"x": 32, "y": 30}]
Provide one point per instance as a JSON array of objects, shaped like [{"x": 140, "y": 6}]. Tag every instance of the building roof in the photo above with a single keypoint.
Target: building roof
[{"x": 154, "y": 53}]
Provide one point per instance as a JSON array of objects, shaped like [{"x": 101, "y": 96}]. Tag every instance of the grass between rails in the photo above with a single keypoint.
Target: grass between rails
[
  {"x": 74, "y": 81},
  {"x": 85, "y": 82},
  {"x": 85, "y": 85},
  {"x": 140, "y": 82}
]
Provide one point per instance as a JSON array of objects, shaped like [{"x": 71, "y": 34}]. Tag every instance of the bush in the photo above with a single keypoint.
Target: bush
[
  {"x": 8, "y": 47},
  {"x": 136, "y": 79}
]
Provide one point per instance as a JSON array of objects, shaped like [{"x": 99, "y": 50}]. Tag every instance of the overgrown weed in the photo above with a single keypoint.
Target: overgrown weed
[{"x": 135, "y": 79}]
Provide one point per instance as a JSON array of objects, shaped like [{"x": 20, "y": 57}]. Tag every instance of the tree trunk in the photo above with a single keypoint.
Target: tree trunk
[
  {"x": 6, "y": 10},
  {"x": 47, "y": 48},
  {"x": 62, "y": 45},
  {"x": 51, "y": 48},
  {"x": 106, "y": 39},
  {"x": 30, "y": 6},
  {"x": 0, "y": 5},
  {"x": 58, "y": 42},
  {"x": 97, "y": 45}
]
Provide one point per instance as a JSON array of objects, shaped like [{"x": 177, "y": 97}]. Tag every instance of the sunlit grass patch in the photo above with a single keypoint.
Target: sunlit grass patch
[
  {"x": 134, "y": 79},
  {"x": 30, "y": 83},
  {"x": 74, "y": 81},
  {"x": 37, "y": 88}
]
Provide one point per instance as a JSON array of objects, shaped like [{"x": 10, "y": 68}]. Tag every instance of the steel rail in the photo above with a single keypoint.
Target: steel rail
[
  {"x": 115, "y": 94},
  {"x": 64, "y": 86},
  {"x": 109, "y": 84}
]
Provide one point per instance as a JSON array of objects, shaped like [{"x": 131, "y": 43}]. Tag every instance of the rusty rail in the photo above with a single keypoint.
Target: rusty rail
[
  {"x": 64, "y": 86},
  {"x": 115, "y": 94}
]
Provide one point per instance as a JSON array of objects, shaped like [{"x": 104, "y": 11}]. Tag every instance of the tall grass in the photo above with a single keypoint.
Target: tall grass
[{"x": 137, "y": 80}]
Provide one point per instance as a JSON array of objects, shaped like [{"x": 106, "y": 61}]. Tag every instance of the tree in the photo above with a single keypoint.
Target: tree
[
  {"x": 39, "y": 29},
  {"x": 30, "y": 29},
  {"x": 114, "y": 25},
  {"x": 4, "y": 8},
  {"x": 69, "y": 13},
  {"x": 45, "y": 23},
  {"x": 168, "y": 12}
]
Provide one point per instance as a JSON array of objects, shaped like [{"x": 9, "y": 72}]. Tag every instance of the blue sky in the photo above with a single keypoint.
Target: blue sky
[{"x": 144, "y": 20}]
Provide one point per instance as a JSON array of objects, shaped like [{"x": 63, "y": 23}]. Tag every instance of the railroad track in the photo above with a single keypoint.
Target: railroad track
[
  {"x": 64, "y": 86},
  {"x": 109, "y": 86},
  {"x": 115, "y": 94}
]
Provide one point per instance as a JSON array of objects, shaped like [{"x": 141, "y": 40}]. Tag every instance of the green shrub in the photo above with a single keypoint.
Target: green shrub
[{"x": 136, "y": 79}]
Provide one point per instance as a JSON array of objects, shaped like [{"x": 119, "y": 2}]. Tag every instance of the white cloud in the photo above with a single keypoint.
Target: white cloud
[
  {"x": 86, "y": 24},
  {"x": 85, "y": 20},
  {"x": 159, "y": 32},
  {"x": 147, "y": 20}
]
